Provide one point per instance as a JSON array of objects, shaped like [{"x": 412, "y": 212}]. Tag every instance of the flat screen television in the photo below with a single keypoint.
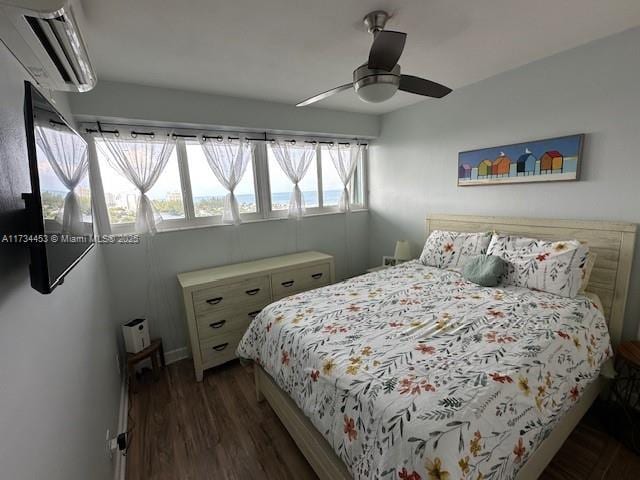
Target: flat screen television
[{"x": 58, "y": 208}]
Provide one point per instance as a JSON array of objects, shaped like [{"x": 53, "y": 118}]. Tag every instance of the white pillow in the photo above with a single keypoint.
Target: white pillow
[
  {"x": 554, "y": 267},
  {"x": 451, "y": 249}
]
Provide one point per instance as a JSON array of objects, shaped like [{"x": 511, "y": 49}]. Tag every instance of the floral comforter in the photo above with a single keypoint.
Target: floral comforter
[{"x": 413, "y": 373}]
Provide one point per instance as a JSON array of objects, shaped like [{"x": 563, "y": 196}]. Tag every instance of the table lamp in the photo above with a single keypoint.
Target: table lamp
[{"x": 403, "y": 251}]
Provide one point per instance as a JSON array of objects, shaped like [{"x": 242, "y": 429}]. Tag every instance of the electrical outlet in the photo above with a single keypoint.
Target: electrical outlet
[{"x": 113, "y": 445}]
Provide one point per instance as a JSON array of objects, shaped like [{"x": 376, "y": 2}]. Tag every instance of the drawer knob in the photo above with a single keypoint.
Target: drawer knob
[
  {"x": 316, "y": 276},
  {"x": 222, "y": 346},
  {"x": 253, "y": 314},
  {"x": 217, "y": 324},
  {"x": 214, "y": 301},
  {"x": 288, "y": 283},
  {"x": 252, "y": 292}
]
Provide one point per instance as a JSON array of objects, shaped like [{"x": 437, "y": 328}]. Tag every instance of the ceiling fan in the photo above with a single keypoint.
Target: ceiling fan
[{"x": 380, "y": 78}]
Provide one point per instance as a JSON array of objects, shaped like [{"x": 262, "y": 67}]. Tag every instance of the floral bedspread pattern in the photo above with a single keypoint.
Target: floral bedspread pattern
[
  {"x": 451, "y": 249},
  {"x": 414, "y": 373},
  {"x": 554, "y": 267}
]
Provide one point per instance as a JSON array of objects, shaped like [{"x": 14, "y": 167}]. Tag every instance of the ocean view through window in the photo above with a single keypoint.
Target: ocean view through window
[
  {"x": 208, "y": 192},
  {"x": 281, "y": 187},
  {"x": 188, "y": 193}
]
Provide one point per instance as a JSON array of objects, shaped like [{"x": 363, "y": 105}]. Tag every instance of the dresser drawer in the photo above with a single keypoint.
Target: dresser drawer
[
  {"x": 220, "y": 322},
  {"x": 316, "y": 276},
  {"x": 299, "y": 279},
  {"x": 221, "y": 302},
  {"x": 220, "y": 349},
  {"x": 252, "y": 290}
]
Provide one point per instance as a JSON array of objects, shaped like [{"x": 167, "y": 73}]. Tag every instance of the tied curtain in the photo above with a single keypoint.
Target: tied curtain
[
  {"x": 228, "y": 160},
  {"x": 345, "y": 159},
  {"x": 67, "y": 155},
  {"x": 141, "y": 161},
  {"x": 294, "y": 160}
]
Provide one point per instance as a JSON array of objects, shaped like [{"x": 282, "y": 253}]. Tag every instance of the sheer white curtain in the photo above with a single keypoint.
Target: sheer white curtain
[
  {"x": 141, "y": 161},
  {"x": 345, "y": 159},
  {"x": 98, "y": 202},
  {"x": 67, "y": 155},
  {"x": 228, "y": 160},
  {"x": 294, "y": 160}
]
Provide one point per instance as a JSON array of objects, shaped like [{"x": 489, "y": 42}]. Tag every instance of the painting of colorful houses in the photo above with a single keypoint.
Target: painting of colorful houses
[{"x": 553, "y": 159}]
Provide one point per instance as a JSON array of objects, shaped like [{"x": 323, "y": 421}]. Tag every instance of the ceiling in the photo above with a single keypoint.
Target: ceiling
[{"x": 288, "y": 50}]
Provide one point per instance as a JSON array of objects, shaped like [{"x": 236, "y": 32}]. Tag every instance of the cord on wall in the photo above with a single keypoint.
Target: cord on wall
[{"x": 347, "y": 246}]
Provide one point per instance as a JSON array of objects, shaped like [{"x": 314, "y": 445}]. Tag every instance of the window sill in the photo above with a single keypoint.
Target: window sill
[{"x": 128, "y": 229}]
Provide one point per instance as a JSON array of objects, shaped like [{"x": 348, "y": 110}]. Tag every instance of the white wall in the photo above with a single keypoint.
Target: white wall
[
  {"x": 59, "y": 387},
  {"x": 114, "y": 100},
  {"x": 143, "y": 277},
  {"x": 593, "y": 89}
]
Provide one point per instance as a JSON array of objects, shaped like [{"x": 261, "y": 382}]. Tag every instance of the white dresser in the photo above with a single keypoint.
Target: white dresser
[{"x": 220, "y": 302}]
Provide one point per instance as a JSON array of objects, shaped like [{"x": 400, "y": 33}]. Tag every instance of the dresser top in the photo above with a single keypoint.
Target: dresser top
[{"x": 198, "y": 277}]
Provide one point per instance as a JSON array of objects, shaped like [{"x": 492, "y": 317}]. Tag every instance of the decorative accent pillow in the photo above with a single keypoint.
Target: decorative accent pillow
[
  {"x": 554, "y": 267},
  {"x": 586, "y": 271},
  {"x": 485, "y": 270},
  {"x": 451, "y": 249}
]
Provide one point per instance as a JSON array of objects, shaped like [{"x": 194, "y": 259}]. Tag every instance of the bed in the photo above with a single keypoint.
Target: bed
[{"x": 412, "y": 372}]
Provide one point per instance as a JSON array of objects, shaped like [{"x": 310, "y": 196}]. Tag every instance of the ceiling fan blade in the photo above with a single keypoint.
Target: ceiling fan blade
[
  {"x": 323, "y": 95},
  {"x": 421, "y": 86},
  {"x": 386, "y": 50}
]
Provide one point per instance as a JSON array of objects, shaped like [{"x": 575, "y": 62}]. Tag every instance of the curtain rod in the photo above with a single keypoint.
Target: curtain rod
[
  {"x": 135, "y": 133},
  {"x": 265, "y": 139}
]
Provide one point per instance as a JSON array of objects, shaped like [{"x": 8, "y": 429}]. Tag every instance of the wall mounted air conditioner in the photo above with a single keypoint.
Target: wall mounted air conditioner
[{"x": 43, "y": 35}]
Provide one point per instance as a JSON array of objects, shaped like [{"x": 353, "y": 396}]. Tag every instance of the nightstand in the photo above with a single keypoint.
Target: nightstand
[
  {"x": 375, "y": 269},
  {"x": 625, "y": 390}
]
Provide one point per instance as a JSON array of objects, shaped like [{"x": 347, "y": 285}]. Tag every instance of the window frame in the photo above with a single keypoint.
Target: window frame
[
  {"x": 308, "y": 211},
  {"x": 129, "y": 227},
  {"x": 191, "y": 219},
  {"x": 262, "y": 188}
]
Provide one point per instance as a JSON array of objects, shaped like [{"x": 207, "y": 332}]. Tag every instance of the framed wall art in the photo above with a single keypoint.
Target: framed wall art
[{"x": 549, "y": 160}]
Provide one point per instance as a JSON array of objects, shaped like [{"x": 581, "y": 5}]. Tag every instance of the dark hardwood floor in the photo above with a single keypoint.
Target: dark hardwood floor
[{"x": 183, "y": 430}]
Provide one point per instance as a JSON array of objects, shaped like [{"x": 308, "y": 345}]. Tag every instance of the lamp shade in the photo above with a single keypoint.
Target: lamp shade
[{"x": 403, "y": 250}]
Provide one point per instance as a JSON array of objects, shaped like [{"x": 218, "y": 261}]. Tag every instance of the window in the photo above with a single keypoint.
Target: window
[
  {"x": 357, "y": 189},
  {"x": 281, "y": 187},
  {"x": 122, "y": 196},
  {"x": 331, "y": 184},
  {"x": 187, "y": 193},
  {"x": 208, "y": 193},
  {"x": 166, "y": 194}
]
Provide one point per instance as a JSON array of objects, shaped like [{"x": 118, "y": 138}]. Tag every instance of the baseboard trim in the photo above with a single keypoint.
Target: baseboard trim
[
  {"x": 120, "y": 471},
  {"x": 176, "y": 355}
]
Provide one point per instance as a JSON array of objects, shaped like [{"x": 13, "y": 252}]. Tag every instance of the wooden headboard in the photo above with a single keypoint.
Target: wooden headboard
[{"x": 613, "y": 242}]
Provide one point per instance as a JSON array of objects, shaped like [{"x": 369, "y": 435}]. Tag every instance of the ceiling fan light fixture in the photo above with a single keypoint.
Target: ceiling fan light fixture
[
  {"x": 375, "y": 86},
  {"x": 376, "y": 92},
  {"x": 379, "y": 78}
]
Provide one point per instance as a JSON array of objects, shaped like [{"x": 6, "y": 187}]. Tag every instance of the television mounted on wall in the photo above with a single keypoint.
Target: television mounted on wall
[{"x": 58, "y": 208}]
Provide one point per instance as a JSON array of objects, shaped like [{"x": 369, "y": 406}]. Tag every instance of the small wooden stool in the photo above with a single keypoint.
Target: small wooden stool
[{"x": 153, "y": 351}]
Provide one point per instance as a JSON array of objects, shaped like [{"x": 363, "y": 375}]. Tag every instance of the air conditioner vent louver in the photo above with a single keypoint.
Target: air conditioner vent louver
[
  {"x": 49, "y": 45},
  {"x": 34, "y": 23}
]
